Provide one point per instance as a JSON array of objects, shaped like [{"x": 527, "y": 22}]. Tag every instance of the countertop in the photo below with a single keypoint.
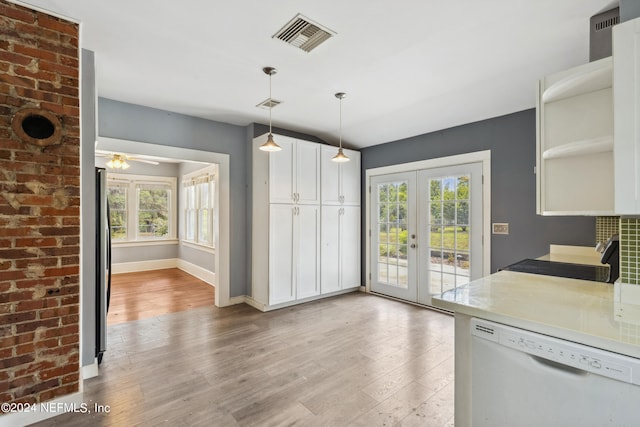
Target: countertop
[{"x": 576, "y": 310}]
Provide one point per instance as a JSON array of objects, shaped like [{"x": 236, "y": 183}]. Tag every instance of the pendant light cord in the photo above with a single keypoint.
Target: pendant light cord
[
  {"x": 341, "y": 123},
  {"x": 270, "y": 102}
]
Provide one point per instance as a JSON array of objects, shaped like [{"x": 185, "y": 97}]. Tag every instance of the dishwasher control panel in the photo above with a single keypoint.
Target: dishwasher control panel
[{"x": 579, "y": 356}]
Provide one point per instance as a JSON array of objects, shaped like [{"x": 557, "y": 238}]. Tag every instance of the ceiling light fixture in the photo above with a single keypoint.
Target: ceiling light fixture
[
  {"x": 118, "y": 161},
  {"x": 270, "y": 145},
  {"x": 340, "y": 157}
]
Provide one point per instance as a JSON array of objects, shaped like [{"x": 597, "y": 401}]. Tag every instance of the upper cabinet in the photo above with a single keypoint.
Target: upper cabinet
[
  {"x": 626, "y": 56},
  {"x": 294, "y": 173},
  {"x": 575, "y": 141},
  {"x": 340, "y": 181}
]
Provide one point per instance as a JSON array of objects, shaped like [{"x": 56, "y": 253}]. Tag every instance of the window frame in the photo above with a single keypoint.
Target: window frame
[
  {"x": 190, "y": 180},
  {"x": 132, "y": 183}
]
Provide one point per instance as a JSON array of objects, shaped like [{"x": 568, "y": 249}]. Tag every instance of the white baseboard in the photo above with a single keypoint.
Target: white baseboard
[
  {"x": 197, "y": 271},
  {"x": 90, "y": 371},
  {"x": 156, "y": 264},
  {"x": 160, "y": 264},
  {"x": 253, "y": 303},
  {"x": 42, "y": 411},
  {"x": 238, "y": 300}
]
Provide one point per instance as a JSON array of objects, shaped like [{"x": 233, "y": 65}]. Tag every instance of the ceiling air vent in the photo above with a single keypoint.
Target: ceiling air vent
[
  {"x": 303, "y": 33},
  {"x": 269, "y": 103}
]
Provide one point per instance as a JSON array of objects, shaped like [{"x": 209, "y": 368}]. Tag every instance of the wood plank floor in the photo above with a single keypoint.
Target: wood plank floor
[
  {"x": 352, "y": 360},
  {"x": 147, "y": 294}
]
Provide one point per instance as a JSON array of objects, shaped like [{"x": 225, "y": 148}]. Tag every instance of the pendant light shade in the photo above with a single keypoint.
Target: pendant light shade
[
  {"x": 270, "y": 145},
  {"x": 340, "y": 157}
]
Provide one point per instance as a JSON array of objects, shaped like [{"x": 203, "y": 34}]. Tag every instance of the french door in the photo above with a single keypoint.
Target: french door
[{"x": 426, "y": 231}]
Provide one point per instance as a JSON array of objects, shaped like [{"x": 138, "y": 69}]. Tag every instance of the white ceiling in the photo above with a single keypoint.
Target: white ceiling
[{"x": 408, "y": 67}]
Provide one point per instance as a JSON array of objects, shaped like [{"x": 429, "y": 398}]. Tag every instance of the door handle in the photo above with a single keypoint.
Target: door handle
[{"x": 413, "y": 246}]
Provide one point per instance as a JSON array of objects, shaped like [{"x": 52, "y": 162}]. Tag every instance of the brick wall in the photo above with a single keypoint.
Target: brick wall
[{"x": 39, "y": 208}]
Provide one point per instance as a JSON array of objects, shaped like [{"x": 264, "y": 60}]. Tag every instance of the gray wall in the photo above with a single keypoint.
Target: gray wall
[
  {"x": 88, "y": 196},
  {"x": 512, "y": 141},
  {"x": 137, "y": 123},
  {"x": 629, "y": 9}
]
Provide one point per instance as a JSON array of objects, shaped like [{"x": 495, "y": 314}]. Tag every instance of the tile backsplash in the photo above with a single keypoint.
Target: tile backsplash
[
  {"x": 606, "y": 226},
  {"x": 629, "y": 250}
]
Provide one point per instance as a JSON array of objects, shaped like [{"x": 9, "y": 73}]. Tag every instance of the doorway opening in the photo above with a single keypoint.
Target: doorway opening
[{"x": 215, "y": 255}]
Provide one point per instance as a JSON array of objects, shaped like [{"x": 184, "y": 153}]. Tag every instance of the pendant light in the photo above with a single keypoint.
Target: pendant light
[
  {"x": 340, "y": 157},
  {"x": 270, "y": 145}
]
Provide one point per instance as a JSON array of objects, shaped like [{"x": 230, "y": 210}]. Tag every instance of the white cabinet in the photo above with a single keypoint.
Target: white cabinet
[
  {"x": 290, "y": 226},
  {"x": 626, "y": 69},
  {"x": 575, "y": 141},
  {"x": 340, "y": 248},
  {"x": 340, "y": 181},
  {"x": 295, "y": 172},
  {"x": 294, "y": 248}
]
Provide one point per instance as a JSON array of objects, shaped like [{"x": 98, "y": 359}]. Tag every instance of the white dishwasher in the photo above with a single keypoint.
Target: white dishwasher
[{"x": 522, "y": 378}]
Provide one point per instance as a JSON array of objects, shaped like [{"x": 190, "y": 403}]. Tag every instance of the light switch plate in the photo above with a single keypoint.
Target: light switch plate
[{"x": 500, "y": 228}]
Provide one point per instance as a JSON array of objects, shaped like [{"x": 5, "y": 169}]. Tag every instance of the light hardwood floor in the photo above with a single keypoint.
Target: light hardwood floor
[
  {"x": 355, "y": 359},
  {"x": 145, "y": 294}
]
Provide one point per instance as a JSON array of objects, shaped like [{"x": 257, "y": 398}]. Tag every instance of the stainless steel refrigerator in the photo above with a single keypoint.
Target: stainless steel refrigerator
[{"x": 103, "y": 262}]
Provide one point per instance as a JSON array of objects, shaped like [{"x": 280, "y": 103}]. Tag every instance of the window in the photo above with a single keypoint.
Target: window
[
  {"x": 199, "y": 206},
  {"x": 142, "y": 208}
]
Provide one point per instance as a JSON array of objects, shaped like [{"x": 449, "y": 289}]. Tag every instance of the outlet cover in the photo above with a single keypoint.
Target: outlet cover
[{"x": 500, "y": 228}]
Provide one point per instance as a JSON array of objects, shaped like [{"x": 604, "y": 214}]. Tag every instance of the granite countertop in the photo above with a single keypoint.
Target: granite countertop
[{"x": 575, "y": 310}]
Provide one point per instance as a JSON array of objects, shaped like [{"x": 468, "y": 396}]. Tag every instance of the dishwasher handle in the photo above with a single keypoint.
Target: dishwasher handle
[{"x": 559, "y": 366}]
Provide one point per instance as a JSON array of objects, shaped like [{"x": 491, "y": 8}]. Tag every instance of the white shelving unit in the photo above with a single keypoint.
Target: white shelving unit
[
  {"x": 626, "y": 55},
  {"x": 575, "y": 141}
]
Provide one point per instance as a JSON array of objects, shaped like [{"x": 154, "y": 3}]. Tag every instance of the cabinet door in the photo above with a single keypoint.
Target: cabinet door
[
  {"x": 330, "y": 177},
  {"x": 350, "y": 177},
  {"x": 281, "y": 171},
  {"x": 330, "y": 256},
  {"x": 307, "y": 251},
  {"x": 307, "y": 180},
  {"x": 626, "y": 78},
  {"x": 350, "y": 247},
  {"x": 281, "y": 251}
]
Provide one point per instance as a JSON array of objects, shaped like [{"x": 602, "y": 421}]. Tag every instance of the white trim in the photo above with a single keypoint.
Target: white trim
[
  {"x": 242, "y": 299},
  {"x": 222, "y": 256},
  {"x": 90, "y": 371},
  {"x": 198, "y": 247},
  {"x": 35, "y": 414},
  {"x": 197, "y": 271},
  {"x": 135, "y": 243},
  {"x": 459, "y": 159},
  {"x": 48, "y": 12},
  {"x": 154, "y": 264}
]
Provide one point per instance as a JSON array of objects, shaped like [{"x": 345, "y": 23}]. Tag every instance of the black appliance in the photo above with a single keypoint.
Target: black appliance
[
  {"x": 596, "y": 273},
  {"x": 611, "y": 256},
  {"x": 103, "y": 262}
]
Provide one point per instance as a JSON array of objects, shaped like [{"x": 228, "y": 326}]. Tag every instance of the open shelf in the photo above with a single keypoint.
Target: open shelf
[
  {"x": 579, "y": 148},
  {"x": 588, "y": 78}
]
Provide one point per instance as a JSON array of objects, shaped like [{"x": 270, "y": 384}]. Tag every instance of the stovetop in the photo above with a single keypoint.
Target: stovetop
[{"x": 594, "y": 273}]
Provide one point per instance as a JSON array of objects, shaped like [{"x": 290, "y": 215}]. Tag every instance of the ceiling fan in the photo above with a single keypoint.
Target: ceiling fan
[{"x": 119, "y": 160}]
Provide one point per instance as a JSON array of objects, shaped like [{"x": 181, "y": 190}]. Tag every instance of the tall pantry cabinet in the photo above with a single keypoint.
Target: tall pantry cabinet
[{"x": 298, "y": 246}]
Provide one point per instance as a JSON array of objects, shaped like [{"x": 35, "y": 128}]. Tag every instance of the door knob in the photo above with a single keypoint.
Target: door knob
[{"x": 413, "y": 245}]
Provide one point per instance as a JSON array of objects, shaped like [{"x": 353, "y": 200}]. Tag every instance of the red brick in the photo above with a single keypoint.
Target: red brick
[
  {"x": 20, "y": 14},
  {"x": 58, "y": 25},
  {"x": 16, "y": 361}
]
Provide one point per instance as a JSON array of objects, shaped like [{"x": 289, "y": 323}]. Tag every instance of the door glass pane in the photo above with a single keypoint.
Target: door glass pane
[
  {"x": 392, "y": 234},
  {"x": 449, "y": 230}
]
